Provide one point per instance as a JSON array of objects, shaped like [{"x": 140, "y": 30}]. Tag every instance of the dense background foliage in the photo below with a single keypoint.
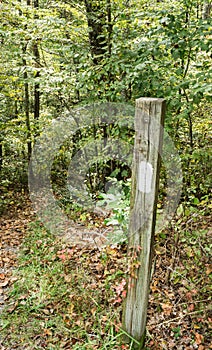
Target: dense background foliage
[
  {"x": 56, "y": 55},
  {"x": 65, "y": 54}
]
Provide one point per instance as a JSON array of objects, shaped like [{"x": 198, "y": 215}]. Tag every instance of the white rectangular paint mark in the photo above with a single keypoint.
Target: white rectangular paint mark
[{"x": 145, "y": 177}]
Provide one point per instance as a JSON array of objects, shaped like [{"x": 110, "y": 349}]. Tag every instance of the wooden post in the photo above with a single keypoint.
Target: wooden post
[{"x": 149, "y": 119}]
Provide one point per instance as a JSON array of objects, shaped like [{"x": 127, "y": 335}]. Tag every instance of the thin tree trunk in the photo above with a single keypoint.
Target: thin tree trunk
[
  {"x": 109, "y": 27},
  {"x": 1, "y": 155},
  {"x": 206, "y": 13},
  {"x": 96, "y": 19},
  {"x": 27, "y": 100},
  {"x": 27, "y": 112},
  {"x": 36, "y": 86},
  {"x": 37, "y": 65}
]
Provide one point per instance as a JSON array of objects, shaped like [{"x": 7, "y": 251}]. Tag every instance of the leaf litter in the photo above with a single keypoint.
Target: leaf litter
[{"x": 86, "y": 309}]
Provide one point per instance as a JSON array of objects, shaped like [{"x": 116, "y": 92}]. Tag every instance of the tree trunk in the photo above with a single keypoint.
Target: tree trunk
[
  {"x": 206, "y": 13},
  {"x": 27, "y": 113},
  {"x": 37, "y": 65},
  {"x": 1, "y": 155},
  {"x": 97, "y": 19}
]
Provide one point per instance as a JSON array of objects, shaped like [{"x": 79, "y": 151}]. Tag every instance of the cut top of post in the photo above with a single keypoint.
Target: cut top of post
[{"x": 149, "y": 99}]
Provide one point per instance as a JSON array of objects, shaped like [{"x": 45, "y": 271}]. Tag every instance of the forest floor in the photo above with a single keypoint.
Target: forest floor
[{"x": 54, "y": 295}]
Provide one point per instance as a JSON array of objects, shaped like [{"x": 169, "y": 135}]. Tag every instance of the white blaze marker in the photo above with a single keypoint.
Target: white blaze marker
[{"x": 145, "y": 177}]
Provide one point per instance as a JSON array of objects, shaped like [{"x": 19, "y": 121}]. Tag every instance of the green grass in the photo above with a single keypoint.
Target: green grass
[{"x": 63, "y": 297}]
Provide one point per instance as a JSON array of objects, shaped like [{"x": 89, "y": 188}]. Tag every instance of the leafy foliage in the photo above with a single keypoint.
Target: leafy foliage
[
  {"x": 63, "y": 54},
  {"x": 146, "y": 50}
]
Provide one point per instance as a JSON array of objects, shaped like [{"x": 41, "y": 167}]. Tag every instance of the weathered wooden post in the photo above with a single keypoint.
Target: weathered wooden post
[{"x": 149, "y": 119}]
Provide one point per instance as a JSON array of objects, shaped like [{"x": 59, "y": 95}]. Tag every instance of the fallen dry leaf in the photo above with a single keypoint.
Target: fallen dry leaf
[
  {"x": 4, "y": 284},
  {"x": 167, "y": 308},
  {"x": 2, "y": 276},
  {"x": 199, "y": 338}
]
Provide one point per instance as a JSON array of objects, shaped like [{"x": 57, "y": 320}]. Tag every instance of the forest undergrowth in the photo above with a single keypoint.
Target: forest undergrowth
[{"x": 62, "y": 296}]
